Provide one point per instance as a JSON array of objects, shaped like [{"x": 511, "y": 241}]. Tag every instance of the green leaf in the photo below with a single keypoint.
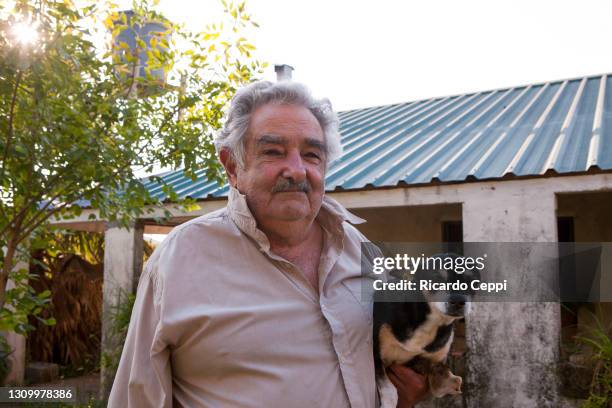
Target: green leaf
[{"x": 44, "y": 294}]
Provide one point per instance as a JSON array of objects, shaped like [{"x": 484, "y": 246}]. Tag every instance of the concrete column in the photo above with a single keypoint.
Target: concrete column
[
  {"x": 513, "y": 347},
  {"x": 123, "y": 252},
  {"x": 17, "y": 342}
]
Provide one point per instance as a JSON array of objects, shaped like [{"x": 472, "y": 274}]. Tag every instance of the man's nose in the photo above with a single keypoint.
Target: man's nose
[{"x": 294, "y": 167}]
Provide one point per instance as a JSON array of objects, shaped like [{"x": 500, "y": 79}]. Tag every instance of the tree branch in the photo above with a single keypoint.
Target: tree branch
[
  {"x": 9, "y": 133},
  {"x": 46, "y": 216}
]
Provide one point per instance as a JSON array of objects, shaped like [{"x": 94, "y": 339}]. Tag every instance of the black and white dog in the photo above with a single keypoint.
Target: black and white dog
[{"x": 418, "y": 332}]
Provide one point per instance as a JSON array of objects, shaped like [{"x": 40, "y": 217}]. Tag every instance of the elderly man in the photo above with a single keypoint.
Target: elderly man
[{"x": 259, "y": 304}]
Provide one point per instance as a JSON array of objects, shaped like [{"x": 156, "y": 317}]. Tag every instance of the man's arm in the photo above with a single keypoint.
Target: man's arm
[
  {"x": 411, "y": 387},
  {"x": 144, "y": 375}
]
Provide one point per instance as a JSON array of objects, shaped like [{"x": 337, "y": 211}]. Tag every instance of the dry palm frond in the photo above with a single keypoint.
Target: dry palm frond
[
  {"x": 70, "y": 266},
  {"x": 76, "y": 287}
]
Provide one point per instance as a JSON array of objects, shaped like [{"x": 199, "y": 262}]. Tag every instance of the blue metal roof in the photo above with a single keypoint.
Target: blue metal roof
[{"x": 561, "y": 126}]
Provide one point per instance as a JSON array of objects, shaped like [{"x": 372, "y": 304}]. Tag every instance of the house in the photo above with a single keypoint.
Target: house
[{"x": 524, "y": 164}]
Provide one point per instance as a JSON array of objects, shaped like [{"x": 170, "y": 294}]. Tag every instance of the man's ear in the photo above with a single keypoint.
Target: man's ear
[{"x": 230, "y": 165}]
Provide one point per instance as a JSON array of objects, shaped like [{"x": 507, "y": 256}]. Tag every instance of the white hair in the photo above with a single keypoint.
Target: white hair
[{"x": 252, "y": 96}]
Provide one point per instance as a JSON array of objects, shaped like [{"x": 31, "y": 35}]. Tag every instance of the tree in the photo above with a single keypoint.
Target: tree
[{"x": 78, "y": 119}]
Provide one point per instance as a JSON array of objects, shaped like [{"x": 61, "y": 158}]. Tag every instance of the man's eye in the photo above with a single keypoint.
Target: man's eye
[
  {"x": 312, "y": 155},
  {"x": 272, "y": 152}
]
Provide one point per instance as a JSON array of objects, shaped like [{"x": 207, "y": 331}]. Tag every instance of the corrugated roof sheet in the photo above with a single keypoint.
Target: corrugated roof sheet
[{"x": 563, "y": 126}]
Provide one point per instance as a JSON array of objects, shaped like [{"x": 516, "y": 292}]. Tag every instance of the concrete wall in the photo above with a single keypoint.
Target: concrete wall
[
  {"x": 513, "y": 347},
  {"x": 123, "y": 256}
]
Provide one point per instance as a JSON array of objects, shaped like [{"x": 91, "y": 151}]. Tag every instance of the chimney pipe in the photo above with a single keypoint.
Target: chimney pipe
[{"x": 283, "y": 72}]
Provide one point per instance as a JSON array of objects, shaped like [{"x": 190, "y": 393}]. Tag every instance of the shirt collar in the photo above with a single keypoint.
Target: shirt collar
[
  {"x": 338, "y": 211},
  {"x": 331, "y": 215}
]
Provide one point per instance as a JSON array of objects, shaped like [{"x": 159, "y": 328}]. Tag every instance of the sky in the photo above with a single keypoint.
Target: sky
[{"x": 368, "y": 53}]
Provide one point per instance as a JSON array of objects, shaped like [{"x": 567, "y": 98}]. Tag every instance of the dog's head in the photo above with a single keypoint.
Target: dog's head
[{"x": 447, "y": 285}]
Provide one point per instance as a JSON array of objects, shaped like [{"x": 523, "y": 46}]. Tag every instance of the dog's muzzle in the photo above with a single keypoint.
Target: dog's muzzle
[{"x": 455, "y": 306}]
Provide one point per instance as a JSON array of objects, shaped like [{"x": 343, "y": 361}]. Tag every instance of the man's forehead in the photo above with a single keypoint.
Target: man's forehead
[{"x": 284, "y": 122}]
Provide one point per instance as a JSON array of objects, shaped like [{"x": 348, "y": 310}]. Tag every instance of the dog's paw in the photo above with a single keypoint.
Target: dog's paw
[
  {"x": 455, "y": 384},
  {"x": 447, "y": 384}
]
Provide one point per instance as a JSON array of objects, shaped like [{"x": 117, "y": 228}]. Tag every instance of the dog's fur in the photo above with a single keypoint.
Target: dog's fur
[{"x": 419, "y": 334}]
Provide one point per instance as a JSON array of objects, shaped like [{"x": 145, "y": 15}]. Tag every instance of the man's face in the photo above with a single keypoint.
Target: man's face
[{"x": 283, "y": 178}]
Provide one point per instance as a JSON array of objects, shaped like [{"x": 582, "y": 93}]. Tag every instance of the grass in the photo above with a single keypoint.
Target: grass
[{"x": 601, "y": 385}]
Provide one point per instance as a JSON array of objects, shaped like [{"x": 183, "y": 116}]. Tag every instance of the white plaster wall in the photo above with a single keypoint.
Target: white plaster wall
[
  {"x": 513, "y": 347},
  {"x": 462, "y": 192},
  {"x": 118, "y": 261},
  {"x": 123, "y": 254}
]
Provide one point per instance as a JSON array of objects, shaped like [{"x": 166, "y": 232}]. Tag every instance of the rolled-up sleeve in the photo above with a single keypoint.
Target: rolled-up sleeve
[{"x": 144, "y": 375}]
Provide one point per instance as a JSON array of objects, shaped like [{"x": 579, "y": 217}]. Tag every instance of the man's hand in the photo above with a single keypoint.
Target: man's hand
[{"x": 411, "y": 387}]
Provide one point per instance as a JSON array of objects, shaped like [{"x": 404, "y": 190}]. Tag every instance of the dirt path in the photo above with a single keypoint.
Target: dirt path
[{"x": 87, "y": 386}]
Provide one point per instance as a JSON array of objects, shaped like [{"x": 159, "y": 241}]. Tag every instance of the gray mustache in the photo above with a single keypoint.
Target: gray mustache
[{"x": 284, "y": 184}]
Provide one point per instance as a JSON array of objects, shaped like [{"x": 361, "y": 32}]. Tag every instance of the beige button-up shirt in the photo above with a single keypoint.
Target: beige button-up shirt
[{"x": 220, "y": 321}]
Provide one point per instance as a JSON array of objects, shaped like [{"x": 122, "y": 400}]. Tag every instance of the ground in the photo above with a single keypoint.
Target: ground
[{"x": 87, "y": 386}]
